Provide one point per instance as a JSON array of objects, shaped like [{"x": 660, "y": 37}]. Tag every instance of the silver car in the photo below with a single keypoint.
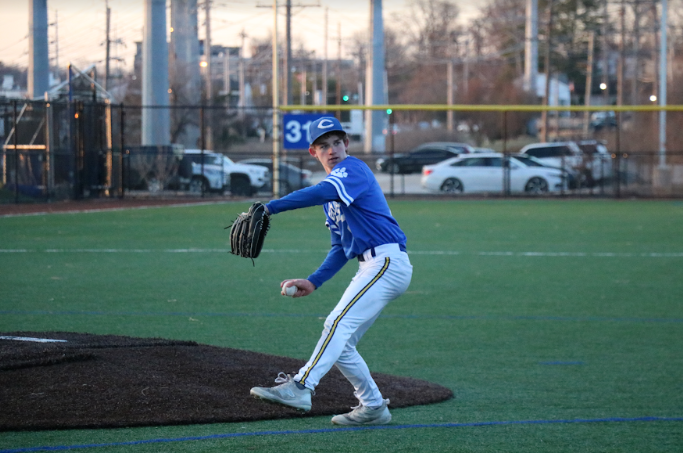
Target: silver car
[{"x": 291, "y": 177}]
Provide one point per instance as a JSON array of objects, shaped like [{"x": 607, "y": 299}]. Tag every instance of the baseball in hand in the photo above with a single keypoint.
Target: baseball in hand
[{"x": 290, "y": 290}]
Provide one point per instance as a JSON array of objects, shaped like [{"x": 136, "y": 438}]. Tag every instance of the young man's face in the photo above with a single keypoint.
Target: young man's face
[{"x": 329, "y": 150}]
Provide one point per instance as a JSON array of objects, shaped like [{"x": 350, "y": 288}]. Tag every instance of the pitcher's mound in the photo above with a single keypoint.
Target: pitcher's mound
[{"x": 107, "y": 381}]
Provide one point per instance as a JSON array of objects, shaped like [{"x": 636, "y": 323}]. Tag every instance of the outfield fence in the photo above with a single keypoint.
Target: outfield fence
[{"x": 73, "y": 150}]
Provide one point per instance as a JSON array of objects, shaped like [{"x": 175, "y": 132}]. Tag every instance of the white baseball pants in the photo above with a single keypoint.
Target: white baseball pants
[{"x": 380, "y": 279}]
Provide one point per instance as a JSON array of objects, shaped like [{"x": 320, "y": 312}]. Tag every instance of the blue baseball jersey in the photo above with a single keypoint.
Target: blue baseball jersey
[
  {"x": 357, "y": 214},
  {"x": 361, "y": 218}
]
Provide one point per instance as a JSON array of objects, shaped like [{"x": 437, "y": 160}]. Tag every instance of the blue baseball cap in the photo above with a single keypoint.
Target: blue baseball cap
[{"x": 322, "y": 126}]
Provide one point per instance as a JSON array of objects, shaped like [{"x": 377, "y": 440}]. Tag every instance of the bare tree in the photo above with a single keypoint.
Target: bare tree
[{"x": 432, "y": 28}]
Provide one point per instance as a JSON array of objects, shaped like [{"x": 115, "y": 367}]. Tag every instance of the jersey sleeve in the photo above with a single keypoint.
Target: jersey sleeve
[
  {"x": 349, "y": 179},
  {"x": 335, "y": 260},
  {"x": 316, "y": 195}
]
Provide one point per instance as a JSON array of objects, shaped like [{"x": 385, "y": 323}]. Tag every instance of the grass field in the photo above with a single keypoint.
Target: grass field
[{"x": 557, "y": 324}]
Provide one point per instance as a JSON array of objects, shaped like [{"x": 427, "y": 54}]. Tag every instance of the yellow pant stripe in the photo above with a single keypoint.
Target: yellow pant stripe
[{"x": 341, "y": 315}]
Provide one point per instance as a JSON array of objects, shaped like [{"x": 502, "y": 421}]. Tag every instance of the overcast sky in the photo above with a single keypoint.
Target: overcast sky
[{"x": 81, "y": 25}]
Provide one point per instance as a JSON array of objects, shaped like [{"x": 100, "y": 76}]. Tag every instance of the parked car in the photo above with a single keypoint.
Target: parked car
[
  {"x": 571, "y": 176},
  {"x": 291, "y": 178},
  {"x": 598, "y": 159},
  {"x": 601, "y": 120},
  {"x": 590, "y": 166},
  {"x": 425, "y": 154},
  {"x": 152, "y": 168},
  {"x": 485, "y": 173},
  {"x": 221, "y": 173},
  {"x": 566, "y": 155}
]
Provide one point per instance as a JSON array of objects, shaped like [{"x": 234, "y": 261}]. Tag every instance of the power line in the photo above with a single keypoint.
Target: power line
[{"x": 16, "y": 43}]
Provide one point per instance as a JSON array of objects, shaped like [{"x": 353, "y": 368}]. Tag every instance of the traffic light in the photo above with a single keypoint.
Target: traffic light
[
  {"x": 389, "y": 111},
  {"x": 345, "y": 98}
]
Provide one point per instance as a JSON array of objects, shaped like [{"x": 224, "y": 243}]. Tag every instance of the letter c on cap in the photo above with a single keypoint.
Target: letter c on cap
[{"x": 325, "y": 124}]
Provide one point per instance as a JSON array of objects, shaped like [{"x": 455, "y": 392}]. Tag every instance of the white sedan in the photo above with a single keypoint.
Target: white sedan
[{"x": 483, "y": 172}]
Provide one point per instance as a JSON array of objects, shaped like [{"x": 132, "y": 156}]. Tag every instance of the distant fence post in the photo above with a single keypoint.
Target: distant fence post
[
  {"x": 391, "y": 156},
  {"x": 203, "y": 143},
  {"x": 16, "y": 151},
  {"x": 617, "y": 172},
  {"x": 123, "y": 149},
  {"x": 506, "y": 156},
  {"x": 47, "y": 163}
]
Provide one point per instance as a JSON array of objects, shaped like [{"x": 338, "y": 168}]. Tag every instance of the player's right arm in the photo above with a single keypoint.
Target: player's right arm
[
  {"x": 304, "y": 285},
  {"x": 317, "y": 195},
  {"x": 334, "y": 261}
]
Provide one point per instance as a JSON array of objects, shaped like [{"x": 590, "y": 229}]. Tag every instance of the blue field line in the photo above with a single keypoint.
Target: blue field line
[
  {"x": 342, "y": 430},
  {"x": 159, "y": 313},
  {"x": 319, "y": 315},
  {"x": 194, "y": 250}
]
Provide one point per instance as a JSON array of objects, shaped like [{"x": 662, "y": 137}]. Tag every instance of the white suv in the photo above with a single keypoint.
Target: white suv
[
  {"x": 591, "y": 166},
  {"x": 220, "y": 173},
  {"x": 596, "y": 155}
]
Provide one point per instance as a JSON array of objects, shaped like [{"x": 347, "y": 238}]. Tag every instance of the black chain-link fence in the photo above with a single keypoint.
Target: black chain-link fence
[{"x": 82, "y": 149}]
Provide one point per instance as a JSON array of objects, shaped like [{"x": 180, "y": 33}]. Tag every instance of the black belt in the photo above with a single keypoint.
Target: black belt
[{"x": 372, "y": 252}]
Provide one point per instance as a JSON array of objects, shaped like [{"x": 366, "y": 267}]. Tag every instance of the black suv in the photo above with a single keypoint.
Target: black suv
[{"x": 425, "y": 154}]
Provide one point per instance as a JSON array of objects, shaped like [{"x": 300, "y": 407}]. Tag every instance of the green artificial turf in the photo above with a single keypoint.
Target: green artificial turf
[{"x": 529, "y": 310}]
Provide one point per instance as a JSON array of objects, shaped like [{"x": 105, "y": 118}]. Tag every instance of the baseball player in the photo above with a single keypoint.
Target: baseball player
[{"x": 362, "y": 228}]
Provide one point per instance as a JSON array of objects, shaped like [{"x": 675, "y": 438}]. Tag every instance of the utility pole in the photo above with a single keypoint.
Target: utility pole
[
  {"x": 620, "y": 66},
  {"x": 548, "y": 73},
  {"x": 605, "y": 55},
  {"x": 466, "y": 75},
  {"x": 449, "y": 94},
  {"x": 207, "y": 50},
  {"x": 38, "y": 60},
  {"x": 107, "y": 43},
  {"x": 288, "y": 54},
  {"x": 375, "y": 119},
  {"x": 304, "y": 77},
  {"x": 242, "y": 101},
  {"x": 56, "y": 41},
  {"x": 314, "y": 79},
  {"x": 209, "y": 81},
  {"x": 338, "y": 84},
  {"x": 276, "y": 113},
  {"x": 636, "y": 51},
  {"x": 324, "y": 99},
  {"x": 655, "y": 87},
  {"x": 226, "y": 76},
  {"x": 531, "y": 47},
  {"x": 589, "y": 81},
  {"x": 155, "y": 81},
  {"x": 662, "y": 84}
]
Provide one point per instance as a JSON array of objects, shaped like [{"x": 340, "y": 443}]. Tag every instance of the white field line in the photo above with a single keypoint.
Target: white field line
[
  {"x": 411, "y": 252},
  {"x": 123, "y": 208}
]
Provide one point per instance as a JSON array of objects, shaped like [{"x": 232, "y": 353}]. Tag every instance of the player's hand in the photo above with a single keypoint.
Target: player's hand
[{"x": 305, "y": 286}]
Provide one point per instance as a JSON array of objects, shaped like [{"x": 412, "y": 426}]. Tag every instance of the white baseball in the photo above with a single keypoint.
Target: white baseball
[{"x": 291, "y": 290}]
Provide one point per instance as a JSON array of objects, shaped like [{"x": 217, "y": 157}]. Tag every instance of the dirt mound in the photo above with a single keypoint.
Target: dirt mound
[{"x": 79, "y": 380}]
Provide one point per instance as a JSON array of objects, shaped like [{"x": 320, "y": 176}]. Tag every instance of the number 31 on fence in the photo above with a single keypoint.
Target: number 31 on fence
[{"x": 296, "y": 129}]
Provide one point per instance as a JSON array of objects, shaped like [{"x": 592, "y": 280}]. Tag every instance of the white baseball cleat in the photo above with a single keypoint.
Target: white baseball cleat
[
  {"x": 363, "y": 415},
  {"x": 286, "y": 393}
]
